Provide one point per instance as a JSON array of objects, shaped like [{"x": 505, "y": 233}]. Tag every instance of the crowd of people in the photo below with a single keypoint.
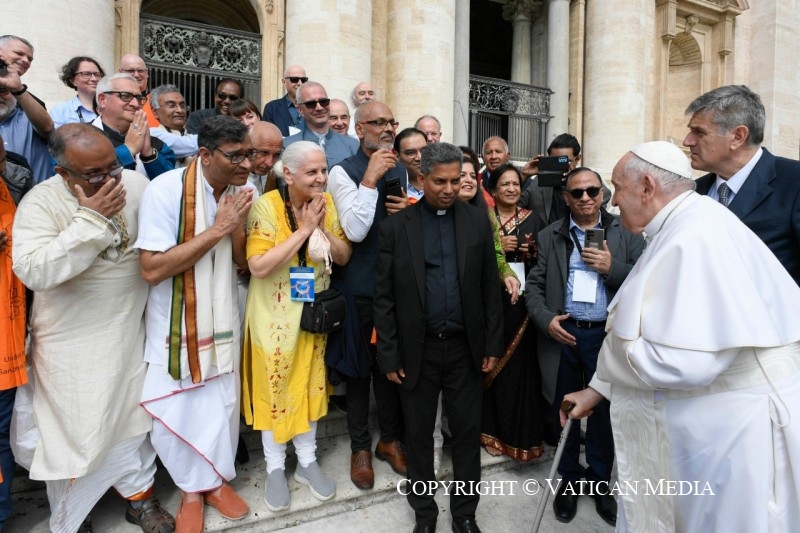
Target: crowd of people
[{"x": 162, "y": 269}]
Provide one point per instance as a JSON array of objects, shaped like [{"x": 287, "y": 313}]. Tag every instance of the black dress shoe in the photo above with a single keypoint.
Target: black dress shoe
[
  {"x": 465, "y": 525},
  {"x": 606, "y": 507},
  {"x": 565, "y": 505},
  {"x": 425, "y": 528}
]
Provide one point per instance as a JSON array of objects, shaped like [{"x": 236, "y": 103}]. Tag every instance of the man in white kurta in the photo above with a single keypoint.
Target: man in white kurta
[
  {"x": 73, "y": 246},
  {"x": 701, "y": 363},
  {"x": 192, "y": 390}
]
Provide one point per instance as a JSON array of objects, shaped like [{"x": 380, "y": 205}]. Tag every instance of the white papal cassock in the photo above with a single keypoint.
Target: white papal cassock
[{"x": 702, "y": 367}]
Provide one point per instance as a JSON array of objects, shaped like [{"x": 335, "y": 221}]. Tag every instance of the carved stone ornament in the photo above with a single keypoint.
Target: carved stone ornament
[{"x": 508, "y": 98}]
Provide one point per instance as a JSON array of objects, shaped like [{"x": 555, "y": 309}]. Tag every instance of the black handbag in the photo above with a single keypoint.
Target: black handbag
[{"x": 327, "y": 312}]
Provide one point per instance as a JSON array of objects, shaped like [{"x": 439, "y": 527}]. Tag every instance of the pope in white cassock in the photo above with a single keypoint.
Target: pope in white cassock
[{"x": 701, "y": 363}]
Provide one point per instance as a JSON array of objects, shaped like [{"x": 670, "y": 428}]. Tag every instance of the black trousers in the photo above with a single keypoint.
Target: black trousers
[
  {"x": 447, "y": 366},
  {"x": 575, "y": 370},
  {"x": 390, "y": 417}
]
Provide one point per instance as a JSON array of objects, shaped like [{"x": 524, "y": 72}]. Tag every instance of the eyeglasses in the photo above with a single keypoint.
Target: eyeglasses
[
  {"x": 312, "y": 104},
  {"x": 381, "y": 123},
  {"x": 134, "y": 71},
  {"x": 231, "y": 97},
  {"x": 238, "y": 158},
  {"x": 578, "y": 193},
  {"x": 88, "y": 75},
  {"x": 295, "y": 79},
  {"x": 127, "y": 97},
  {"x": 99, "y": 177},
  {"x": 174, "y": 105}
]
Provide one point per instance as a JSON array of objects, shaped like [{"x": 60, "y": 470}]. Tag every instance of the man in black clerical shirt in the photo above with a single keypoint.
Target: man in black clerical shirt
[{"x": 439, "y": 329}]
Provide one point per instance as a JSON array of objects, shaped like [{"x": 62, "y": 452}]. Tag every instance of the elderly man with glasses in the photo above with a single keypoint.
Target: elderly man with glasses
[
  {"x": 134, "y": 65},
  {"x": 367, "y": 188},
  {"x": 283, "y": 112},
  {"x": 315, "y": 108},
  {"x": 567, "y": 294},
  {"x": 228, "y": 91},
  {"x": 73, "y": 246},
  {"x": 122, "y": 119}
]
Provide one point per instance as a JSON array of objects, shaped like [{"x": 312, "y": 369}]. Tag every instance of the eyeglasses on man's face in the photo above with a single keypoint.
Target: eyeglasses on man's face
[
  {"x": 577, "y": 194},
  {"x": 97, "y": 177},
  {"x": 295, "y": 79},
  {"x": 312, "y": 104},
  {"x": 174, "y": 105},
  {"x": 126, "y": 97},
  {"x": 134, "y": 71},
  {"x": 239, "y": 157},
  {"x": 381, "y": 123}
]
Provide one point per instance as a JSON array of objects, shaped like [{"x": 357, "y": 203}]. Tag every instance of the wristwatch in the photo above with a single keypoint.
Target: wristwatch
[{"x": 152, "y": 157}]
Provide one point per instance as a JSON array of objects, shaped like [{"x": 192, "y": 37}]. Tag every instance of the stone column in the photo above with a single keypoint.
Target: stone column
[
  {"x": 332, "y": 41},
  {"x": 539, "y": 49},
  {"x": 519, "y": 13},
  {"x": 419, "y": 76},
  {"x": 558, "y": 66},
  {"x": 616, "y": 81},
  {"x": 461, "y": 75}
]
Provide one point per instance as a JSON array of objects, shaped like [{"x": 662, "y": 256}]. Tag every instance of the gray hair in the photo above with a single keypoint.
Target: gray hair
[
  {"x": 671, "y": 183},
  {"x": 431, "y": 117},
  {"x": 8, "y": 38},
  {"x": 439, "y": 154},
  {"x": 106, "y": 83},
  {"x": 492, "y": 138},
  {"x": 158, "y": 92},
  {"x": 731, "y": 106},
  {"x": 297, "y": 153},
  {"x": 309, "y": 84}
]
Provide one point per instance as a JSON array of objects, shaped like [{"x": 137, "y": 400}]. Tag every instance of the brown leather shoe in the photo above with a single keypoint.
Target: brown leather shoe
[
  {"x": 361, "y": 473},
  {"x": 190, "y": 518},
  {"x": 149, "y": 516},
  {"x": 392, "y": 453},
  {"x": 227, "y": 503}
]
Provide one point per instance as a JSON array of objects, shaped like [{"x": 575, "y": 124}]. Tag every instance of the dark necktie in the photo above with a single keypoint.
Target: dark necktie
[{"x": 724, "y": 191}]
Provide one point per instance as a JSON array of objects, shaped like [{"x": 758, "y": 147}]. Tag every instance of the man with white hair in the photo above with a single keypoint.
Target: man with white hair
[
  {"x": 431, "y": 127},
  {"x": 362, "y": 92},
  {"x": 119, "y": 101},
  {"x": 701, "y": 362},
  {"x": 170, "y": 108}
]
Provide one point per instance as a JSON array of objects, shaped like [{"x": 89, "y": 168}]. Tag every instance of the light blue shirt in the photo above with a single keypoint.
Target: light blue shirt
[
  {"x": 20, "y": 137},
  {"x": 70, "y": 112},
  {"x": 584, "y": 310}
]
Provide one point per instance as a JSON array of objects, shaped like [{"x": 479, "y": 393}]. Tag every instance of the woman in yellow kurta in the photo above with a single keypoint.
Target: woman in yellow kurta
[{"x": 284, "y": 391}]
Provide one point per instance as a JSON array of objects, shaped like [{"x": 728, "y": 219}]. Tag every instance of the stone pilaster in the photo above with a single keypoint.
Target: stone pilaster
[
  {"x": 461, "y": 75},
  {"x": 558, "y": 66}
]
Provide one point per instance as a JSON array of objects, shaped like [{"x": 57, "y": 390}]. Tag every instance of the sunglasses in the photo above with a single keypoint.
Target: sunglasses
[
  {"x": 295, "y": 79},
  {"x": 127, "y": 97},
  {"x": 312, "y": 104},
  {"x": 578, "y": 193},
  {"x": 231, "y": 97}
]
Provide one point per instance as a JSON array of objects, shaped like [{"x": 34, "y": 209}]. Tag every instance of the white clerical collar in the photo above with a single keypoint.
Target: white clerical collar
[
  {"x": 655, "y": 225},
  {"x": 736, "y": 181}
]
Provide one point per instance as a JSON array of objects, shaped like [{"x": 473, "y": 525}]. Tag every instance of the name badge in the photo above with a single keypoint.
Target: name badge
[
  {"x": 519, "y": 270},
  {"x": 301, "y": 281},
  {"x": 584, "y": 287}
]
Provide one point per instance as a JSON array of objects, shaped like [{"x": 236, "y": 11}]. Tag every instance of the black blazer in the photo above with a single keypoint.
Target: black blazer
[
  {"x": 277, "y": 112},
  {"x": 769, "y": 204},
  {"x": 399, "y": 302}
]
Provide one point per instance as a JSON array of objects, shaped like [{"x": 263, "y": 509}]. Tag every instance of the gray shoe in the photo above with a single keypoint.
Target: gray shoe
[
  {"x": 276, "y": 491},
  {"x": 322, "y": 487},
  {"x": 437, "y": 461}
]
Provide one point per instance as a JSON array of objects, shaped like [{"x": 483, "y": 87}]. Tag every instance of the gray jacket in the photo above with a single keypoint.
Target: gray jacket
[{"x": 546, "y": 285}]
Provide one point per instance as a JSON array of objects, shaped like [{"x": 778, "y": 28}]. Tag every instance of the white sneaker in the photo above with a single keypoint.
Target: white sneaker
[
  {"x": 276, "y": 491},
  {"x": 321, "y": 486}
]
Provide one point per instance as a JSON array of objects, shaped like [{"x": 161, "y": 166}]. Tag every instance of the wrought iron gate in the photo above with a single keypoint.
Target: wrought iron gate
[
  {"x": 516, "y": 112},
  {"x": 194, "y": 57}
]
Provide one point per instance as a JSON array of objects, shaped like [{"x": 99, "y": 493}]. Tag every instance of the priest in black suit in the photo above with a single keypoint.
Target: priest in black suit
[{"x": 438, "y": 318}]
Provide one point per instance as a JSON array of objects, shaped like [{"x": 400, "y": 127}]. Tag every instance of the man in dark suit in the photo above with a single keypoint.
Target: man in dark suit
[
  {"x": 725, "y": 135},
  {"x": 439, "y": 322},
  {"x": 283, "y": 111}
]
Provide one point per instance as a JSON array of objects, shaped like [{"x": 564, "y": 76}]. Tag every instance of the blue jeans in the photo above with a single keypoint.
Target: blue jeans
[
  {"x": 6, "y": 457},
  {"x": 575, "y": 370}
]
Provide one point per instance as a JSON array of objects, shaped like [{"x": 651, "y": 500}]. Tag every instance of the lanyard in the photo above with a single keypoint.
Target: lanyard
[
  {"x": 575, "y": 239},
  {"x": 301, "y": 253}
]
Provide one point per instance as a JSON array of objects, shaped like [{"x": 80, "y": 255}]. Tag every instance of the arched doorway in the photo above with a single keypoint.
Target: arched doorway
[{"x": 193, "y": 45}]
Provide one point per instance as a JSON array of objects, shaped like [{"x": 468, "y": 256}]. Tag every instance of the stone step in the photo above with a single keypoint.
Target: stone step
[{"x": 31, "y": 510}]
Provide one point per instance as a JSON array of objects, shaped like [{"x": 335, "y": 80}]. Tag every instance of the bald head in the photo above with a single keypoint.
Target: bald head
[
  {"x": 75, "y": 136},
  {"x": 268, "y": 141},
  {"x": 134, "y": 65}
]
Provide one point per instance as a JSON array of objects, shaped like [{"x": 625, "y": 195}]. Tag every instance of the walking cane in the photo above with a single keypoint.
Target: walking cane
[{"x": 566, "y": 406}]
